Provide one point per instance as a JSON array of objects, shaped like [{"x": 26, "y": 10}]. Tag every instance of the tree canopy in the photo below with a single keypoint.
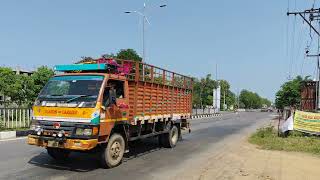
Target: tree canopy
[
  {"x": 227, "y": 94},
  {"x": 251, "y": 100},
  {"x": 128, "y": 54},
  {"x": 22, "y": 89},
  {"x": 289, "y": 93}
]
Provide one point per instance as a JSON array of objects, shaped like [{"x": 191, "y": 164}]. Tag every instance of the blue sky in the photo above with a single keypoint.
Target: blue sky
[{"x": 247, "y": 38}]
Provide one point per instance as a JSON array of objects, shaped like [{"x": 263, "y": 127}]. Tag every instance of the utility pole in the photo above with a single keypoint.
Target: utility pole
[
  {"x": 314, "y": 15},
  {"x": 217, "y": 87},
  {"x": 238, "y": 99}
]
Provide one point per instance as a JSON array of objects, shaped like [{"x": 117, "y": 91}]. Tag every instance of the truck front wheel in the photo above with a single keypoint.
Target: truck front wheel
[
  {"x": 112, "y": 154},
  {"x": 58, "y": 154},
  {"x": 169, "y": 140}
]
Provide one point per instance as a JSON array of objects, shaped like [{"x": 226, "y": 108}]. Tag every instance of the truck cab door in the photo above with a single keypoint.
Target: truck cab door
[{"x": 115, "y": 101}]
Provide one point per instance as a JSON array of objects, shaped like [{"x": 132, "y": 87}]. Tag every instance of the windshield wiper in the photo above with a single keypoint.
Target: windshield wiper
[
  {"x": 56, "y": 95},
  {"x": 52, "y": 95},
  {"x": 80, "y": 96}
]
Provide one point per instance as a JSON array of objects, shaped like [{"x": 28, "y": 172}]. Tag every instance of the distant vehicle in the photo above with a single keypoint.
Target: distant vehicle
[
  {"x": 102, "y": 106},
  {"x": 268, "y": 109}
]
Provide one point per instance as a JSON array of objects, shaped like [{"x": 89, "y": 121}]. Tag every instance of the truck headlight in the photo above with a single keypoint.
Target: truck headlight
[
  {"x": 34, "y": 127},
  {"x": 83, "y": 132},
  {"x": 87, "y": 132},
  {"x": 79, "y": 131}
]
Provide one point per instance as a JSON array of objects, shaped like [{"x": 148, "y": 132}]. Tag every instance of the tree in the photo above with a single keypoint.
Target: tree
[
  {"x": 38, "y": 80},
  {"x": 128, "y": 54},
  {"x": 227, "y": 94},
  {"x": 289, "y": 93},
  {"x": 7, "y": 79},
  {"x": 202, "y": 91}
]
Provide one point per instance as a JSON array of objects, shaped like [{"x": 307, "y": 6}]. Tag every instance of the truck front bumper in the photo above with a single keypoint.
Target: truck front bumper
[{"x": 72, "y": 144}]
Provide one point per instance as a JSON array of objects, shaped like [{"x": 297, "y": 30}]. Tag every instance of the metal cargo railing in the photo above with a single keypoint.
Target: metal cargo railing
[
  {"x": 145, "y": 72},
  {"x": 15, "y": 117}
]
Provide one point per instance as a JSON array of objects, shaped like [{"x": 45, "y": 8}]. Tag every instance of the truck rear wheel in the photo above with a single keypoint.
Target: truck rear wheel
[
  {"x": 169, "y": 140},
  {"x": 112, "y": 154},
  {"x": 58, "y": 154}
]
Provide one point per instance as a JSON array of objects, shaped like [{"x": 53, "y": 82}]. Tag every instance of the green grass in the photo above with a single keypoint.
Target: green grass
[{"x": 267, "y": 138}]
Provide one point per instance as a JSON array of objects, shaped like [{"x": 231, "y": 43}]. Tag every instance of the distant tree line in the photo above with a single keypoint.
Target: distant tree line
[
  {"x": 203, "y": 92},
  {"x": 203, "y": 95},
  {"x": 252, "y": 100}
]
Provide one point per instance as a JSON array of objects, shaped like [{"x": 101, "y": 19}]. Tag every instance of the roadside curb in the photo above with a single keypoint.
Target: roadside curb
[
  {"x": 13, "y": 134},
  {"x": 7, "y": 134},
  {"x": 205, "y": 116}
]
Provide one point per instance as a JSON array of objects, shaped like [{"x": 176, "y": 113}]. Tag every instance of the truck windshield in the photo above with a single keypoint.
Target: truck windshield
[{"x": 71, "y": 91}]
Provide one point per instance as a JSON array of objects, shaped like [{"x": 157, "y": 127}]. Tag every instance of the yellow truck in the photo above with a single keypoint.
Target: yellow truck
[{"x": 102, "y": 105}]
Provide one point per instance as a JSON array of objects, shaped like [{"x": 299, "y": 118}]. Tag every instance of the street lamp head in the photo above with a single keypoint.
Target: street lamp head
[
  {"x": 128, "y": 12},
  {"x": 164, "y": 5}
]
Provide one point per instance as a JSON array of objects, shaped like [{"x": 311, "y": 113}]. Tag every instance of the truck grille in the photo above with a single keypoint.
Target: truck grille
[{"x": 49, "y": 129}]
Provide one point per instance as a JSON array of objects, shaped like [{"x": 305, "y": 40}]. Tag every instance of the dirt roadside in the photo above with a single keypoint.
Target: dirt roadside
[
  {"x": 239, "y": 160},
  {"x": 250, "y": 163}
]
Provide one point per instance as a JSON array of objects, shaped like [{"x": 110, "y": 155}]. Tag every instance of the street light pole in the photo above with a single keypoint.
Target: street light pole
[
  {"x": 144, "y": 20},
  {"x": 143, "y": 34}
]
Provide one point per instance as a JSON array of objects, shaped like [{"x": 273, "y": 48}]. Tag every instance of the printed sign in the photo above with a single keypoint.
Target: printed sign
[
  {"x": 63, "y": 112},
  {"x": 307, "y": 122}
]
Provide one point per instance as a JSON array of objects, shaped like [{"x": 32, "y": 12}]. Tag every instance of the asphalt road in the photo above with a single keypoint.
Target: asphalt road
[{"x": 144, "y": 161}]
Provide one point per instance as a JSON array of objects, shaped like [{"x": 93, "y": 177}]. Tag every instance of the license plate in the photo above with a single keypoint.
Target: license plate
[{"x": 53, "y": 144}]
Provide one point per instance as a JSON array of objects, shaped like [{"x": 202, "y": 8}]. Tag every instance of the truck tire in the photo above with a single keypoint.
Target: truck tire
[
  {"x": 58, "y": 154},
  {"x": 112, "y": 154},
  {"x": 169, "y": 140}
]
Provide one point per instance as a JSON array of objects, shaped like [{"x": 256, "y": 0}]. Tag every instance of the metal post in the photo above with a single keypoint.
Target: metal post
[
  {"x": 20, "y": 117},
  {"x": 16, "y": 118},
  {"x": 143, "y": 42},
  {"x": 224, "y": 99},
  {"x": 143, "y": 34},
  {"x": 11, "y": 118},
  {"x": 318, "y": 71},
  {"x": 145, "y": 19},
  {"x": 24, "y": 117},
  {"x": 217, "y": 88}
]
